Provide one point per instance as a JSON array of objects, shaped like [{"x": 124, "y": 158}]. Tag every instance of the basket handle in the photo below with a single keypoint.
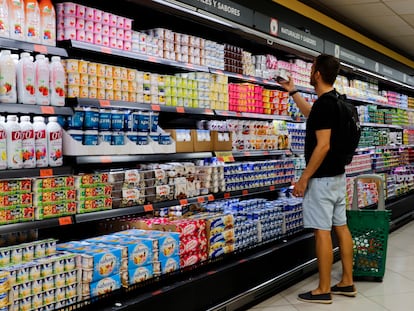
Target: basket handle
[{"x": 381, "y": 198}]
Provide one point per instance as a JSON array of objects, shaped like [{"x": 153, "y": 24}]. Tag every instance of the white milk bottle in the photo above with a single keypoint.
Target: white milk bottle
[
  {"x": 57, "y": 82},
  {"x": 4, "y": 19},
  {"x": 39, "y": 127},
  {"x": 25, "y": 73},
  {"x": 42, "y": 80},
  {"x": 54, "y": 142},
  {"x": 47, "y": 22},
  {"x": 28, "y": 142},
  {"x": 8, "y": 92},
  {"x": 14, "y": 143},
  {"x": 3, "y": 143},
  {"x": 17, "y": 20}
]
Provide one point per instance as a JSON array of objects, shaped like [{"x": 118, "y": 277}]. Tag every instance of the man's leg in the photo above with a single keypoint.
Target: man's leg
[
  {"x": 346, "y": 250},
  {"x": 324, "y": 254}
]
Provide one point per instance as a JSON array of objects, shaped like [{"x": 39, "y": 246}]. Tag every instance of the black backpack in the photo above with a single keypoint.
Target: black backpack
[{"x": 347, "y": 134}]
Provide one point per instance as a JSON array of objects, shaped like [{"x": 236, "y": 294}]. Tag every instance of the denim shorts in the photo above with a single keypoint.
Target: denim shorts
[{"x": 324, "y": 203}]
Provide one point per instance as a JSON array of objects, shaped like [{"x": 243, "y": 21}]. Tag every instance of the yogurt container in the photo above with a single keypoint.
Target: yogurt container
[
  {"x": 155, "y": 136},
  {"x": 90, "y": 138},
  {"x": 104, "y": 119},
  {"x": 105, "y": 136},
  {"x": 132, "y": 136},
  {"x": 76, "y": 135},
  {"x": 142, "y": 139},
  {"x": 91, "y": 120},
  {"x": 118, "y": 139},
  {"x": 165, "y": 139},
  {"x": 117, "y": 120}
]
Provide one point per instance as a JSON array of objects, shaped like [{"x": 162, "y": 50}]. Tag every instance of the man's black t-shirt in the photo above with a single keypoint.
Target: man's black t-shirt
[{"x": 323, "y": 115}]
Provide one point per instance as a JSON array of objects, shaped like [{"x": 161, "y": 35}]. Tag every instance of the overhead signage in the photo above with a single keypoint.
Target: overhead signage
[
  {"x": 350, "y": 57},
  {"x": 300, "y": 37},
  {"x": 391, "y": 73},
  {"x": 224, "y": 8}
]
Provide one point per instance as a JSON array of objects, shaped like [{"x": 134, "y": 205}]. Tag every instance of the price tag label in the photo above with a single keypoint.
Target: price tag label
[
  {"x": 227, "y": 195},
  {"x": 148, "y": 208},
  {"x": 180, "y": 109},
  {"x": 272, "y": 188},
  {"x": 105, "y": 49},
  {"x": 200, "y": 199},
  {"x": 183, "y": 202},
  {"x": 208, "y": 111},
  {"x": 155, "y": 107},
  {"x": 46, "y": 172},
  {"x": 106, "y": 159},
  {"x": 63, "y": 221},
  {"x": 104, "y": 103},
  {"x": 247, "y": 154},
  {"x": 265, "y": 152},
  {"x": 40, "y": 48},
  {"x": 47, "y": 109},
  {"x": 152, "y": 59},
  {"x": 245, "y": 192},
  {"x": 225, "y": 156},
  {"x": 210, "y": 197}
]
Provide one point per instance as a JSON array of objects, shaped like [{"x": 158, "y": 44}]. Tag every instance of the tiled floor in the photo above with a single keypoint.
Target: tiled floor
[{"x": 394, "y": 293}]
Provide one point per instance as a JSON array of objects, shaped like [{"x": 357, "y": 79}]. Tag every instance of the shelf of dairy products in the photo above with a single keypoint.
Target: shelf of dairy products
[
  {"x": 259, "y": 153},
  {"x": 35, "y": 172},
  {"x": 250, "y": 115},
  {"x": 107, "y": 159},
  {"x": 100, "y": 103},
  {"x": 381, "y": 125},
  {"x": 37, "y": 224},
  {"x": 13, "y": 44},
  {"x": 35, "y": 109},
  {"x": 73, "y": 44}
]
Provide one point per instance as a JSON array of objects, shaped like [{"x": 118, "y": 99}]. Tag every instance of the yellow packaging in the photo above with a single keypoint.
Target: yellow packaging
[
  {"x": 84, "y": 80},
  {"x": 108, "y": 71},
  {"x": 132, "y": 86},
  {"x": 109, "y": 94},
  {"x": 100, "y": 93},
  {"x": 109, "y": 84},
  {"x": 117, "y": 84},
  {"x": 100, "y": 70},
  {"x": 73, "y": 79},
  {"x": 100, "y": 82},
  {"x": 93, "y": 92},
  {"x": 83, "y": 67},
  {"x": 131, "y": 74},
  {"x": 93, "y": 81},
  {"x": 117, "y": 95},
  {"x": 92, "y": 68},
  {"x": 132, "y": 96},
  {"x": 124, "y": 73},
  {"x": 124, "y": 85},
  {"x": 116, "y": 72},
  {"x": 83, "y": 92},
  {"x": 124, "y": 96}
]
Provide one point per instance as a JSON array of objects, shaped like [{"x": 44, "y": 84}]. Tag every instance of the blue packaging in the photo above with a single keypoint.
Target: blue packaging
[
  {"x": 75, "y": 121},
  {"x": 104, "y": 119},
  {"x": 154, "y": 121},
  {"x": 165, "y": 139},
  {"x": 143, "y": 121},
  {"x": 91, "y": 120},
  {"x": 155, "y": 137},
  {"x": 142, "y": 139},
  {"x": 129, "y": 121},
  {"x": 105, "y": 136},
  {"x": 76, "y": 135},
  {"x": 132, "y": 136},
  {"x": 118, "y": 139},
  {"x": 90, "y": 138},
  {"x": 117, "y": 120}
]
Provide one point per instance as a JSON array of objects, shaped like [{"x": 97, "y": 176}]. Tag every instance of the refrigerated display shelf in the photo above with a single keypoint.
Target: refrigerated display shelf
[
  {"x": 35, "y": 172},
  {"x": 259, "y": 153},
  {"x": 35, "y": 109},
  {"x": 13, "y": 44}
]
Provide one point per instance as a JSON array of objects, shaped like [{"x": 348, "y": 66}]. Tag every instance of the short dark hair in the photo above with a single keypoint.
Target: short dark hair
[{"x": 328, "y": 67}]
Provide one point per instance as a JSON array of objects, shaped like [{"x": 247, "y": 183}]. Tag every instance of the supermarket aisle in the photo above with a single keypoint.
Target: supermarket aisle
[{"x": 395, "y": 293}]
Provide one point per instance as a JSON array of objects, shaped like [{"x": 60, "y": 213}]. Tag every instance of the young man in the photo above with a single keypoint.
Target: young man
[{"x": 322, "y": 183}]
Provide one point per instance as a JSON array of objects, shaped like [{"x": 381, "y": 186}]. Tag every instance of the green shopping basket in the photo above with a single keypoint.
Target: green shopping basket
[{"x": 369, "y": 229}]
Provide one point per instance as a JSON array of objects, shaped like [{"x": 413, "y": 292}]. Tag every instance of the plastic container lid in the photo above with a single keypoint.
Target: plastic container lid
[
  {"x": 38, "y": 119},
  {"x": 40, "y": 56},
  {"x": 24, "y": 54},
  {"x": 53, "y": 119},
  {"x": 55, "y": 58},
  {"x": 24, "y": 119},
  {"x": 11, "y": 118}
]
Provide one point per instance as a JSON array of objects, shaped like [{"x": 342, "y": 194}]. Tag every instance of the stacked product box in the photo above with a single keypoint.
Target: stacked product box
[
  {"x": 220, "y": 233},
  {"x": 244, "y": 175},
  {"x": 40, "y": 277},
  {"x": 54, "y": 197},
  {"x": 275, "y": 102},
  {"x": 248, "y": 64},
  {"x": 5, "y": 293},
  {"x": 86, "y": 24},
  {"x": 193, "y": 239},
  {"x": 16, "y": 201},
  {"x": 246, "y": 97},
  {"x": 404, "y": 180},
  {"x": 297, "y": 132},
  {"x": 266, "y": 66},
  {"x": 138, "y": 256},
  {"x": 211, "y": 177},
  {"x": 143, "y": 43},
  {"x": 233, "y": 59},
  {"x": 212, "y": 90},
  {"x": 100, "y": 267},
  {"x": 292, "y": 215},
  {"x": 94, "y": 193},
  {"x": 166, "y": 247}
]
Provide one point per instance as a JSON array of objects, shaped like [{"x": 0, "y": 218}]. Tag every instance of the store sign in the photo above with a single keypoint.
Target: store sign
[
  {"x": 391, "y": 73},
  {"x": 350, "y": 57},
  {"x": 299, "y": 37},
  {"x": 224, "y": 8},
  {"x": 409, "y": 80}
]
